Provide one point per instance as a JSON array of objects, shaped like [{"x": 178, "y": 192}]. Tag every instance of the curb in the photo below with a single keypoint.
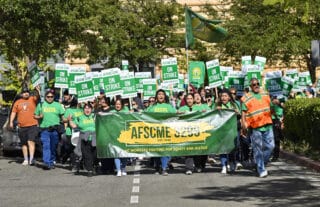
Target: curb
[{"x": 301, "y": 160}]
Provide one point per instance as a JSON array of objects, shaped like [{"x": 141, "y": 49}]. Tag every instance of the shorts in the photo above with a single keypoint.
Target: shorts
[{"x": 26, "y": 134}]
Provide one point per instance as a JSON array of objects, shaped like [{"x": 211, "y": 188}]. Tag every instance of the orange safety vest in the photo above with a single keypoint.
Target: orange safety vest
[{"x": 258, "y": 113}]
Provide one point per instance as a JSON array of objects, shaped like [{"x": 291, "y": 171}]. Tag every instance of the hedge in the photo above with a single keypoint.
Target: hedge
[{"x": 302, "y": 121}]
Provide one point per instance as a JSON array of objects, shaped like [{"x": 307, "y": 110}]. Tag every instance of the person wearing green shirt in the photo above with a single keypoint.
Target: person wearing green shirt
[
  {"x": 120, "y": 163},
  {"x": 68, "y": 149},
  {"x": 199, "y": 105},
  {"x": 86, "y": 124},
  {"x": 162, "y": 106},
  {"x": 50, "y": 114},
  {"x": 277, "y": 118},
  {"x": 226, "y": 102}
]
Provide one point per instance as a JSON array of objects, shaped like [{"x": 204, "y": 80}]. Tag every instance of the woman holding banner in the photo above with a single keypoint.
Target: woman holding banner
[
  {"x": 86, "y": 125},
  {"x": 226, "y": 102},
  {"x": 162, "y": 106},
  {"x": 120, "y": 163}
]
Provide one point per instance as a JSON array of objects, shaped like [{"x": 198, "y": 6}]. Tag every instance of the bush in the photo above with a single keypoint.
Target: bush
[{"x": 302, "y": 122}]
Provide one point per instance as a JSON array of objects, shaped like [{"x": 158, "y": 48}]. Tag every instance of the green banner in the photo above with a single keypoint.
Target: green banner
[
  {"x": 139, "y": 76},
  {"x": 127, "y": 83},
  {"x": 163, "y": 134},
  {"x": 273, "y": 83},
  {"x": 236, "y": 80},
  {"x": 149, "y": 88},
  {"x": 213, "y": 71},
  {"x": 111, "y": 80},
  {"x": 61, "y": 76},
  {"x": 34, "y": 74},
  {"x": 84, "y": 87},
  {"x": 72, "y": 73},
  {"x": 224, "y": 72},
  {"x": 169, "y": 70},
  {"x": 196, "y": 73}
]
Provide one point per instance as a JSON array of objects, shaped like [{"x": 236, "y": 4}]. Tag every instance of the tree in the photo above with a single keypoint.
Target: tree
[
  {"x": 139, "y": 31},
  {"x": 34, "y": 30},
  {"x": 275, "y": 31}
]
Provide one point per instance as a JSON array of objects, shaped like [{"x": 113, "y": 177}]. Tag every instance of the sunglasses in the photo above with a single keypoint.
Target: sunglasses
[
  {"x": 255, "y": 84},
  {"x": 49, "y": 96},
  {"x": 234, "y": 93}
]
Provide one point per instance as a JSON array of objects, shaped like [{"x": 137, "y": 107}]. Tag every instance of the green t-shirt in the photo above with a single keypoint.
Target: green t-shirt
[
  {"x": 75, "y": 113},
  {"x": 162, "y": 108},
  {"x": 51, "y": 112},
  {"x": 278, "y": 110},
  {"x": 86, "y": 123},
  {"x": 244, "y": 108},
  {"x": 124, "y": 109},
  {"x": 201, "y": 107}
]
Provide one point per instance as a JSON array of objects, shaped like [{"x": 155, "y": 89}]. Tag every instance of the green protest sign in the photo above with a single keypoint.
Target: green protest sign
[
  {"x": 246, "y": 60},
  {"x": 304, "y": 80},
  {"x": 169, "y": 70},
  {"x": 252, "y": 71},
  {"x": 236, "y": 80},
  {"x": 196, "y": 73},
  {"x": 98, "y": 83},
  {"x": 167, "y": 87},
  {"x": 273, "y": 83},
  {"x": 286, "y": 85},
  {"x": 72, "y": 73},
  {"x": 180, "y": 86},
  {"x": 128, "y": 84},
  {"x": 224, "y": 71},
  {"x": 292, "y": 73},
  {"x": 111, "y": 80},
  {"x": 125, "y": 65},
  {"x": 260, "y": 61},
  {"x": 61, "y": 76},
  {"x": 139, "y": 76},
  {"x": 34, "y": 74},
  {"x": 84, "y": 87},
  {"x": 213, "y": 71},
  {"x": 149, "y": 88},
  {"x": 163, "y": 134}
]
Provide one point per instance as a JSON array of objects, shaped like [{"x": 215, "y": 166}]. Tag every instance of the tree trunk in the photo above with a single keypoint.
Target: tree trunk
[{"x": 311, "y": 68}]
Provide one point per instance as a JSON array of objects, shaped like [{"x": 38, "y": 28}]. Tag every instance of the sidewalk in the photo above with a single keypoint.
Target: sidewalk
[{"x": 301, "y": 160}]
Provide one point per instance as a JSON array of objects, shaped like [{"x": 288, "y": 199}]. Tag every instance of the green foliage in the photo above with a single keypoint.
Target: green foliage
[
  {"x": 302, "y": 122},
  {"x": 274, "y": 30}
]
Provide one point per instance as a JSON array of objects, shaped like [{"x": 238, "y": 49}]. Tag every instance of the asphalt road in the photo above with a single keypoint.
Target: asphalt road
[{"x": 287, "y": 185}]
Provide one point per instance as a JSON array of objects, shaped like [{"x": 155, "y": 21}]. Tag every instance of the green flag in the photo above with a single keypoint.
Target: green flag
[{"x": 202, "y": 28}]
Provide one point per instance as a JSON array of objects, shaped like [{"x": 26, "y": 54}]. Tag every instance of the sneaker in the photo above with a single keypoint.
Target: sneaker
[
  {"x": 165, "y": 173},
  {"x": 119, "y": 174},
  {"x": 199, "y": 170},
  {"x": 228, "y": 167},
  {"x": 263, "y": 174},
  {"x": 32, "y": 162},
  {"x": 124, "y": 173},
  {"x": 189, "y": 172},
  {"x": 224, "y": 170},
  {"x": 211, "y": 160},
  {"x": 25, "y": 163},
  {"x": 157, "y": 173},
  {"x": 239, "y": 166}
]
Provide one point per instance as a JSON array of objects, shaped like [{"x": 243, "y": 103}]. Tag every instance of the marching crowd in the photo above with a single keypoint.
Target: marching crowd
[{"x": 259, "y": 125}]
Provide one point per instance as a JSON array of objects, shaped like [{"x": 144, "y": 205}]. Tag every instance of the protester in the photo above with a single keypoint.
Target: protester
[
  {"x": 24, "y": 109},
  {"x": 256, "y": 116},
  {"x": 67, "y": 149},
  {"x": 86, "y": 125},
  {"x": 226, "y": 102},
  {"x": 162, "y": 106},
  {"x": 50, "y": 114},
  {"x": 120, "y": 163},
  {"x": 277, "y": 117}
]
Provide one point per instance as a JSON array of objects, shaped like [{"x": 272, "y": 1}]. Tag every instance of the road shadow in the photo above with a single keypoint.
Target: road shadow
[{"x": 276, "y": 192}]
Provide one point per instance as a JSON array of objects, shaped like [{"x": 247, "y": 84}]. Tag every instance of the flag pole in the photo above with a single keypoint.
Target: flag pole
[{"x": 187, "y": 52}]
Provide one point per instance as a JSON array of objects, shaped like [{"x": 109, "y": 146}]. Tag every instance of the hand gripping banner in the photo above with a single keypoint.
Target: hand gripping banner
[{"x": 163, "y": 134}]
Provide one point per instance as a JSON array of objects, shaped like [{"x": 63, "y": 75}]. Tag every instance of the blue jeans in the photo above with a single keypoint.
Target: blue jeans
[
  {"x": 164, "y": 162},
  {"x": 49, "y": 146},
  {"x": 262, "y": 145},
  {"x": 120, "y": 164}
]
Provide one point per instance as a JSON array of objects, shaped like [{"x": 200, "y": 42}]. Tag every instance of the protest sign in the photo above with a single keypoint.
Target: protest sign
[
  {"x": 61, "y": 75},
  {"x": 213, "y": 71},
  {"x": 72, "y": 73},
  {"x": 128, "y": 85},
  {"x": 34, "y": 74},
  {"x": 196, "y": 73},
  {"x": 111, "y": 80},
  {"x": 139, "y": 76},
  {"x": 169, "y": 70}
]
